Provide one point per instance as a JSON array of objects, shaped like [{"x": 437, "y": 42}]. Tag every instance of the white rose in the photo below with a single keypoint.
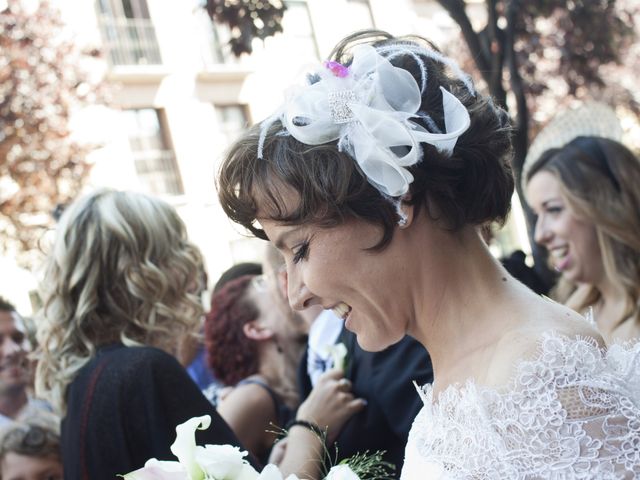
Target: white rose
[
  {"x": 224, "y": 462},
  {"x": 341, "y": 472}
]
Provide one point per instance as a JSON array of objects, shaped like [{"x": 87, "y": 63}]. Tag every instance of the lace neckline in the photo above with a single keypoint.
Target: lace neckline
[
  {"x": 571, "y": 410},
  {"x": 547, "y": 344}
]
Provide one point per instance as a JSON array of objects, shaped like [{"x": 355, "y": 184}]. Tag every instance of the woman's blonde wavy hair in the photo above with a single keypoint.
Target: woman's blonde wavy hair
[
  {"x": 600, "y": 179},
  {"x": 121, "y": 270}
]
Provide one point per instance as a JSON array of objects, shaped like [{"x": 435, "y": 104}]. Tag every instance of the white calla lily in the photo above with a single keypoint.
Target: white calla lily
[{"x": 185, "y": 445}]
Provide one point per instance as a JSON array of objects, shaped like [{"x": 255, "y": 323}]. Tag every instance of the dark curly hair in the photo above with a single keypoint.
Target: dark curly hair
[
  {"x": 231, "y": 355},
  {"x": 472, "y": 186}
]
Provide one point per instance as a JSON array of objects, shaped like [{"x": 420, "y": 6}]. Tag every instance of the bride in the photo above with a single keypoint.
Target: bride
[{"x": 372, "y": 180}]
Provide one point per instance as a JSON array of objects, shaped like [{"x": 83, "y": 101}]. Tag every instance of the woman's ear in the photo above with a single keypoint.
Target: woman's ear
[
  {"x": 406, "y": 211},
  {"x": 255, "y": 331}
]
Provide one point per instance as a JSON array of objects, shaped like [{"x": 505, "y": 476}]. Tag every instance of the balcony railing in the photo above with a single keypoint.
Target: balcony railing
[
  {"x": 130, "y": 41},
  {"x": 158, "y": 172}
]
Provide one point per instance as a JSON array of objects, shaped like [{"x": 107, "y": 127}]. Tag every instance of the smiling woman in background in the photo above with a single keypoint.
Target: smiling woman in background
[{"x": 587, "y": 199}]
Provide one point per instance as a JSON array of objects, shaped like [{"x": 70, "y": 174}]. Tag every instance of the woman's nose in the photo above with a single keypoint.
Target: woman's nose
[
  {"x": 300, "y": 297},
  {"x": 542, "y": 233}
]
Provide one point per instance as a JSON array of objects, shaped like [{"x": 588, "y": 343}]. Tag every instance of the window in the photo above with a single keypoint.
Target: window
[
  {"x": 298, "y": 29},
  {"x": 220, "y": 48},
  {"x": 153, "y": 156},
  {"x": 359, "y": 14},
  {"x": 232, "y": 121},
  {"x": 128, "y": 32},
  {"x": 213, "y": 37}
]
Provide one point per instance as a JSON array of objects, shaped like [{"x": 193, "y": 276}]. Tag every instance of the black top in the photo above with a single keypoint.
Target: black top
[
  {"x": 385, "y": 380},
  {"x": 283, "y": 412},
  {"x": 123, "y": 408}
]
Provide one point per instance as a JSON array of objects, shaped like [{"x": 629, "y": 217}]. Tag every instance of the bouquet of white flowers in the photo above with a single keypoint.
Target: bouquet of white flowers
[{"x": 225, "y": 462}]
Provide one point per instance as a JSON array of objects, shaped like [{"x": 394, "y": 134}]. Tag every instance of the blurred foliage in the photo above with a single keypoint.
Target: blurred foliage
[
  {"x": 528, "y": 47},
  {"x": 537, "y": 55},
  {"x": 576, "y": 38},
  {"x": 41, "y": 83},
  {"x": 247, "y": 19}
]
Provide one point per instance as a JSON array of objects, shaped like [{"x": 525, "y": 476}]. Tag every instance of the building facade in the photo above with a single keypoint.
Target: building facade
[{"x": 179, "y": 97}]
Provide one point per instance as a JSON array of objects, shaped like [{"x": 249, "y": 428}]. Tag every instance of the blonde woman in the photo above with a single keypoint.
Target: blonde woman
[
  {"x": 586, "y": 197},
  {"x": 119, "y": 297}
]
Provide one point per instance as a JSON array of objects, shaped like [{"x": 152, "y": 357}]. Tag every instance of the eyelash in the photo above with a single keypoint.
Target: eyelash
[
  {"x": 554, "y": 210},
  {"x": 302, "y": 252}
]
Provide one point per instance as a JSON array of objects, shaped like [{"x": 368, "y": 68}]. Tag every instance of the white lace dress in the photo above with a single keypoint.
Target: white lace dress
[{"x": 572, "y": 412}]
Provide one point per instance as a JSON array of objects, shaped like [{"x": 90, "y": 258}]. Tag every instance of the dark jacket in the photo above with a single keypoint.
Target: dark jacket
[
  {"x": 385, "y": 380},
  {"x": 123, "y": 408}
]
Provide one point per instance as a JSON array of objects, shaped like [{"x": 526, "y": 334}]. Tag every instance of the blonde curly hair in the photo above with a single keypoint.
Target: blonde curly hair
[{"x": 121, "y": 270}]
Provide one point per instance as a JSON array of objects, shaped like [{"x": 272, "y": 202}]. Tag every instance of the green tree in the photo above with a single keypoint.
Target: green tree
[{"x": 41, "y": 83}]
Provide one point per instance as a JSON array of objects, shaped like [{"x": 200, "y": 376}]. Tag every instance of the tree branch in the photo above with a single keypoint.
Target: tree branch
[
  {"x": 480, "y": 55},
  {"x": 496, "y": 42},
  {"x": 521, "y": 138}
]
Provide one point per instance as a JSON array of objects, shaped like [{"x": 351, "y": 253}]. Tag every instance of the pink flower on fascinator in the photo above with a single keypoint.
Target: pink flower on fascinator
[{"x": 337, "y": 69}]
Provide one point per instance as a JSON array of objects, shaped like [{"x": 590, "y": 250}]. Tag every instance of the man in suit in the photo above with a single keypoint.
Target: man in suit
[{"x": 384, "y": 379}]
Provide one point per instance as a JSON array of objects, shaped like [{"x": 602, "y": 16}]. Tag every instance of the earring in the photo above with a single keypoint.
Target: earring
[{"x": 402, "y": 216}]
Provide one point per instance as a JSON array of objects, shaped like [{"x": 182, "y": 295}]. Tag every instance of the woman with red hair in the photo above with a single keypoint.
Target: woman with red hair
[{"x": 254, "y": 342}]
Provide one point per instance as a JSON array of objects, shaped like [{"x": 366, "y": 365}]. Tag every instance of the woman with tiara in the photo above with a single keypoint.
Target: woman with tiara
[{"x": 372, "y": 180}]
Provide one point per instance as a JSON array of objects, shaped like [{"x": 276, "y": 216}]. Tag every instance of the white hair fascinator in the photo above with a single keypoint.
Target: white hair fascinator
[{"x": 369, "y": 107}]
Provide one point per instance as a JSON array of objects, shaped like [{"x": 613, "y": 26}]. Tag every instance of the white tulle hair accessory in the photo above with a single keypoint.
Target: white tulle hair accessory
[{"x": 369, "y": 107}]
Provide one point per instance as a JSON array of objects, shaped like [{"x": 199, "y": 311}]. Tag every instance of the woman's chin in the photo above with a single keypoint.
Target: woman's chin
[{"x": 369, "y": 344}]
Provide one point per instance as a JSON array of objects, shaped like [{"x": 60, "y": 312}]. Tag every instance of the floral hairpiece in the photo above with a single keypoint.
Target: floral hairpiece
[{"x": 369, "y": 107}]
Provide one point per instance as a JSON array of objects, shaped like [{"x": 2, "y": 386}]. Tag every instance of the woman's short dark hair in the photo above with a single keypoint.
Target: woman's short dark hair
[
  {"x": 473, "y": 185},
  {"x": 236, "y": 271},
  {"x": 231, "y": 355}
]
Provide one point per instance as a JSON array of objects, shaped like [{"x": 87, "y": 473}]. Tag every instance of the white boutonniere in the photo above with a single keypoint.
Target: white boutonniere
[{"x": 338, "y": 355}]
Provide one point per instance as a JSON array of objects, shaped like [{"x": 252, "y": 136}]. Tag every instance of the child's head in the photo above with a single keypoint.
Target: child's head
[{"x": 30, "y": 450}]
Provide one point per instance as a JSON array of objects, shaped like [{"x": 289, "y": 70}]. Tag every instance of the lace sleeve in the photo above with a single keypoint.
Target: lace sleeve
[{"x": 573, "y": 412}]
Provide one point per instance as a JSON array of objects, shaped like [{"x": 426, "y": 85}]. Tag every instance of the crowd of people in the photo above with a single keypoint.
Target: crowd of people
[{"x": 373, "y": 184}]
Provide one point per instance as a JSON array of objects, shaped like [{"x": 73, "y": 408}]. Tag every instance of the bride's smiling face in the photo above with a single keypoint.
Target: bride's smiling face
[{"x": 332, "y": 267}]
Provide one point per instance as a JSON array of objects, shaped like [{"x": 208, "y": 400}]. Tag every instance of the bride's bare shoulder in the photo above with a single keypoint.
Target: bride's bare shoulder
[
  {"x": 523, "y": 341},
  {"x": 549, "y": 316}
]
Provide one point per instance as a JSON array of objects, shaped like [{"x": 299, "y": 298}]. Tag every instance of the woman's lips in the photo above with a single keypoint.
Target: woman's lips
[{"x": 561, "y": 258}]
